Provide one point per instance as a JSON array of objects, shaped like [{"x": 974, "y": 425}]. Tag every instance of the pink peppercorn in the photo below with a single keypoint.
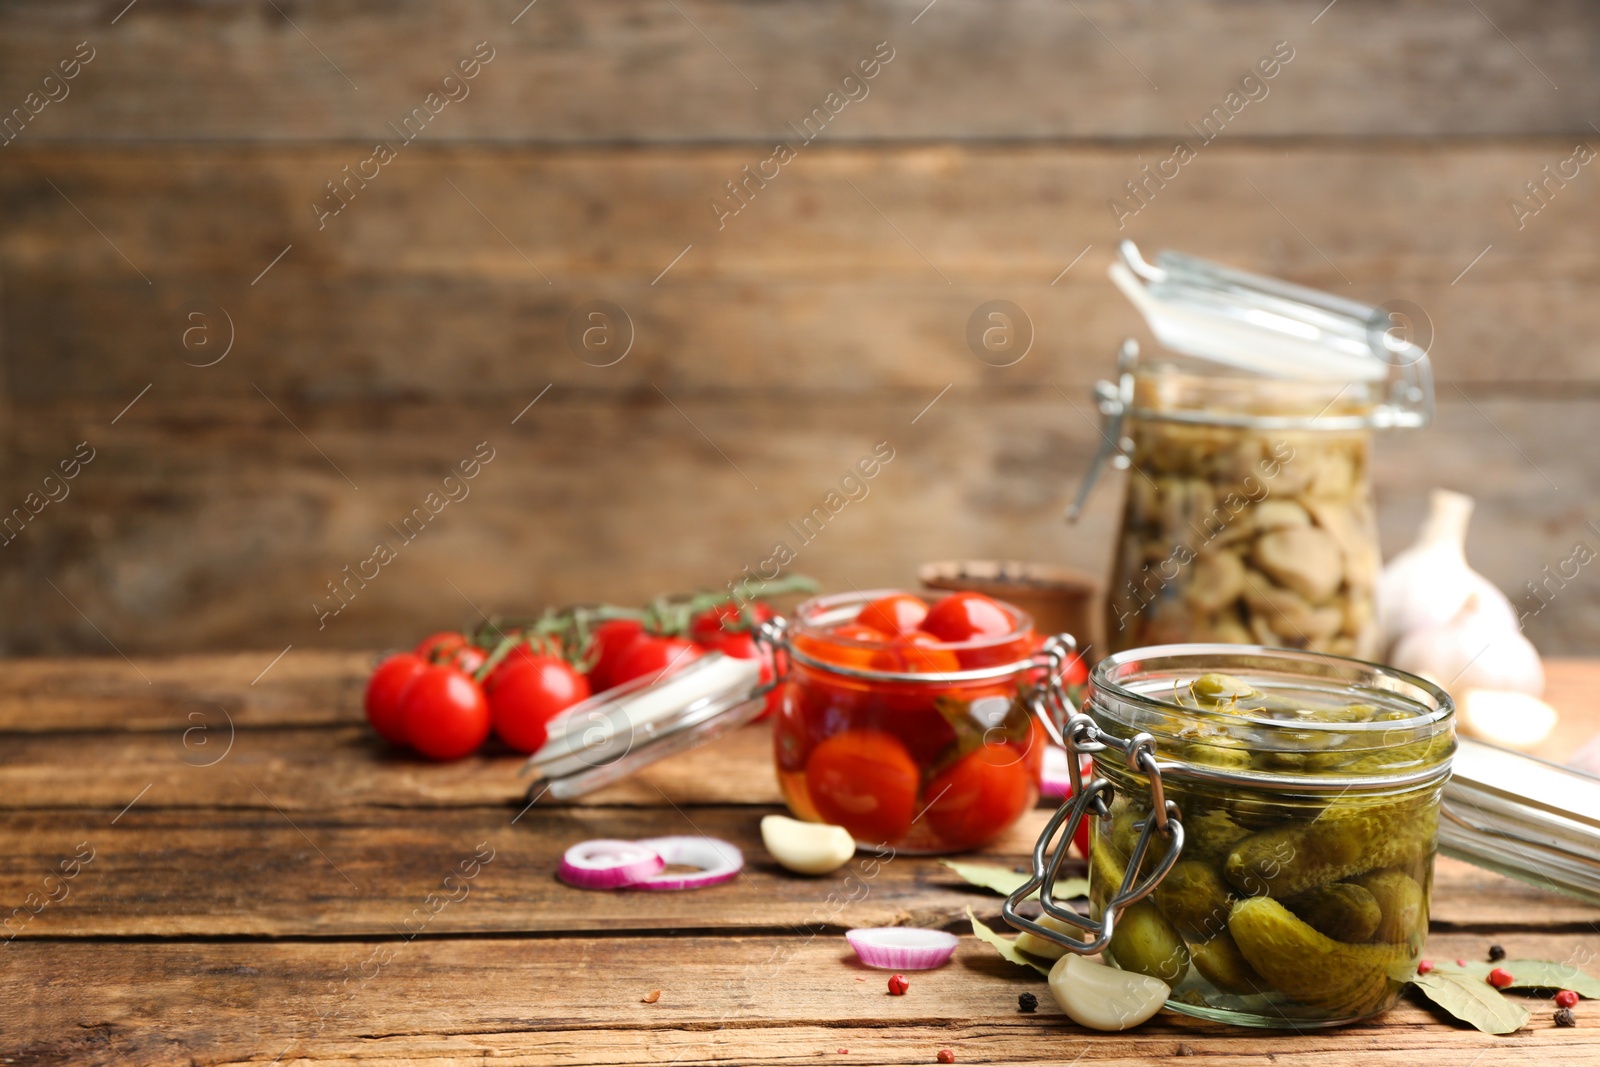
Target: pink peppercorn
[
  {"x": 898, "y": 985},
  {"x": 1461, "y": 963},
  {"x": 1425, "y": 966},
  {"x": 946, "y": 1056},
  {"x": 1566, "y": 999},
  {"x": 1500, "y": 978}
]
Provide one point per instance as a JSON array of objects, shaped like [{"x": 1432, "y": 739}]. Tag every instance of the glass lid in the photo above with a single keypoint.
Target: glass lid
[
  {"x": 1258, "y": 324},
  {"x": 617, "y": 733}
]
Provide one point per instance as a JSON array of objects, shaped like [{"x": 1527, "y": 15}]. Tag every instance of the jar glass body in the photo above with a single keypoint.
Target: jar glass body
[
  {"x": 918, "y": 765},
  {"x": 1309, "y": 799},
  {"x": 1249, "y": 515}
]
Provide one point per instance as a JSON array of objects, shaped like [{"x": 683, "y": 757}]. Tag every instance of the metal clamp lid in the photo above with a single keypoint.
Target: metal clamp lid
[{"x": 1081, "y": 736}]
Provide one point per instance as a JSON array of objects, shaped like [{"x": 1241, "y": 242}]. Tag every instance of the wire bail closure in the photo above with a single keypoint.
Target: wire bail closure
[{"x": 1079, "y": 735}]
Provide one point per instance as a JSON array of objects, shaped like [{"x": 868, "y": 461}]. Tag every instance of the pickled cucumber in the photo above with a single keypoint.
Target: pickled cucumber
[
  {"x": 1142, "y": 939},
  {"x": 1349, "y": 837},
  {"x": 1211, "y": 834},
  {"x": 1343, "y": 980},
  {"x": 1196, "y": 900},
  {"x": 1342, "y": 911},
  {"x": 1145, "y": 941},
  {"x": 1404, "y": 908},
  {"x": 1220, "y": 962}
]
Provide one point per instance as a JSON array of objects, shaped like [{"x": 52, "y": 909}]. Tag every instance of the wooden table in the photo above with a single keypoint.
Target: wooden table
[{"x": 259, "y": 880}]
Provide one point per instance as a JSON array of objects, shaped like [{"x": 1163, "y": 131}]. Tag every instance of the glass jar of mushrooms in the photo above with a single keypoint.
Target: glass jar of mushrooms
[{"x": 1249, "y": 511}]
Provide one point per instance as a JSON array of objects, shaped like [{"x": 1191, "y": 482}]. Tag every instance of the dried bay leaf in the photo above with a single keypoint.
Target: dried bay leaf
[{"x": 1472, "y": 1000}]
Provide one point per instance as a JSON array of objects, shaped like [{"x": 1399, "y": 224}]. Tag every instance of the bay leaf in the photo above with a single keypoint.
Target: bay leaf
[
  {"x": 1534, "y": 974},
  {"x": 1003, "y": 946},
  {"x": 1005, "y": 881},
  {"x": 1473, "y": 1001}
]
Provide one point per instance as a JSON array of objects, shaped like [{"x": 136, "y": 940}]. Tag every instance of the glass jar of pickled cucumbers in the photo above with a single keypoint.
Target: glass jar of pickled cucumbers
[
  {"x": 1307, "y": 791},
  {"x": 1249, "y": 509}
]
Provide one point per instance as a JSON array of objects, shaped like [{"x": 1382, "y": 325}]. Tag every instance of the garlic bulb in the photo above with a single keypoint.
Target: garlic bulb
[
  {"x": 1474, "y": 649},
  {"x": 1513, "y": 720},
  {"x": 1430, "y": 582}
]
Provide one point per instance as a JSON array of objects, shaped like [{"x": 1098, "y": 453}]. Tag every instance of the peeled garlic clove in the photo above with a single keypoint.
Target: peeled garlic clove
[
  {"x": 1104, "y": 998},
  {"x": 1034, "y": 945},
  {"x": 807, "y": 847},
  {"x": 1513, "y": 720}
]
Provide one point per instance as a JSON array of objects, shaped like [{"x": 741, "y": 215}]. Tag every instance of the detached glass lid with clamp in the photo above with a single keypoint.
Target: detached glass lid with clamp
[{"x": 1249, "y": 511}]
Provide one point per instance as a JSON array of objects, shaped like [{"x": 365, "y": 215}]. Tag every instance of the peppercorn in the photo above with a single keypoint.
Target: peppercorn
[
  {"x": 946, "y": 1056},
  {"x": 1425, "y": 966},
  {"x": 1496, "y": 953},
  {"x": 1566, "y": 999},
  {"x": 1500, "y": 978},
  {"x": 1564, "y": 1017},
  {"x": 1027, "y": 1002},
  {"x": 898, "y": 985}
]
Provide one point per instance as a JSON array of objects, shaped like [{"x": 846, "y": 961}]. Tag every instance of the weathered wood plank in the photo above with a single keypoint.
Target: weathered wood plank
[
  {"x": 167, "y": 870},
  {"x": 353, "y": 872},
  {"x": 577, "y": 1001},
  {"x": 311, "y": 769},
  {"x": 212, "y": 524},
  {"x": 596, "y": 72},
  {"x": 410, "y": 292},
  {"x": 306, "y": 688},
  {"x": 320, "y": 688}
]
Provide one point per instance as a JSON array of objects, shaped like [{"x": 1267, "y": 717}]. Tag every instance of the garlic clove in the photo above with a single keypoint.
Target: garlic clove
[
  {"x": 807, "y": 847},
  {"x": 1509, "y": 719},
  {"x": 1034, "y": 945},
  {"x": 1104, "y": 998}
]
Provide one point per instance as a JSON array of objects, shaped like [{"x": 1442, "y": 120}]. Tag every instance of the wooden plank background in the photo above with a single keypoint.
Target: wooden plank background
[
  {"x": 768, "y": 354},
  {"x": 243, "y": 889}
]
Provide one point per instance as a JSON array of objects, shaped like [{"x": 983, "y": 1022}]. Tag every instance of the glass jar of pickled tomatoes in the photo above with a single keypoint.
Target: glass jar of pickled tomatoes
[{"x": 906, "y": 720}]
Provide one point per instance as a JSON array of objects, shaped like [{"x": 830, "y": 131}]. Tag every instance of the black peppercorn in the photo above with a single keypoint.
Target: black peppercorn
[
  {"x": 1564, "y": 1017},
  {"x": 1027, "y": 1001},
  {"x": 1496, "y": 953}
]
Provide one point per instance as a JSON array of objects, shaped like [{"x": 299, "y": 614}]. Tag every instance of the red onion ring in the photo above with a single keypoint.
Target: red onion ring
[
  {"x": 608, "y": 864},
  {"x": 1055, "y": 777},
  {"x": 717, "y": 861},
  {"x": 902, "y": 948}
]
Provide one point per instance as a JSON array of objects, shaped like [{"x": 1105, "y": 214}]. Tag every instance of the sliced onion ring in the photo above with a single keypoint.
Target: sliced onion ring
[
  {"x": 608, "y": 864},
  {"x": 717, "y": 861},
  {"x": 902, "y": 948},
  {"x": 1055, "y": 777}
]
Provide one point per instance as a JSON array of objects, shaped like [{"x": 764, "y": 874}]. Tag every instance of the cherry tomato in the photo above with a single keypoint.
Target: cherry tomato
[
  {"x": 743, "y": 646},
  {"x": 897, "y": 614},
  {"x": 915, "y": 653},
  {"x": 468, "y": 659},
  {"x": 384, "y": 690},
  {"x": 439, "y": 647},
  {"x": 655, "y": 658},
  {"x": 963, "y": 616},
  {"x": 714, "y": 625},
  {"x": 846, "y": 652},
  {"x": 865, "y": 781},
  {"x": 611, "y": 639},
  {"x": 979, "y": 795},
  {"x": 527, "y": 693},
  {"x": 444, "y": 713}
]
